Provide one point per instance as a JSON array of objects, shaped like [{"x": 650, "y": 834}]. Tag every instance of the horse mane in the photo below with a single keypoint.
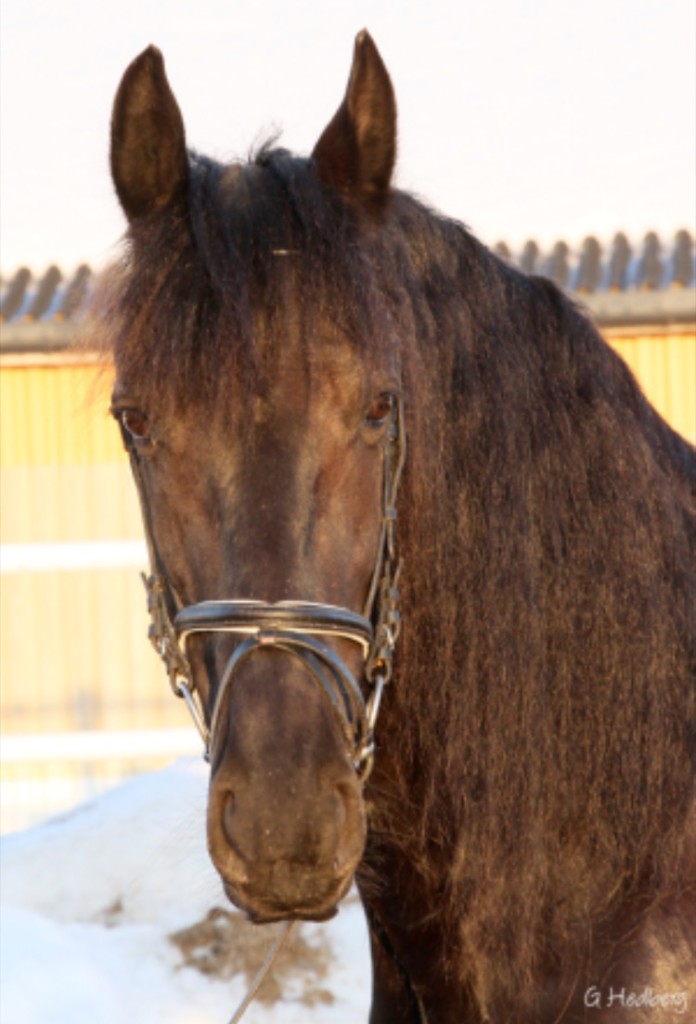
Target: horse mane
[
  {"x": 544, "y": 688},
  {"x": 550, "y": 518}
]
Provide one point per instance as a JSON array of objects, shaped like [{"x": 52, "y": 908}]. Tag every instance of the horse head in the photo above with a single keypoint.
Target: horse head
[{"x": 265, "y": 433}]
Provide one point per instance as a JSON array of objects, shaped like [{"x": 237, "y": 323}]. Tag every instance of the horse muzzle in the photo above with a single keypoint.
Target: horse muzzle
[{"x": 286, "y": 821}]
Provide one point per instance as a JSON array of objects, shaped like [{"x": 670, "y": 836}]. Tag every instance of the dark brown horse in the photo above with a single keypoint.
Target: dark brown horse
[{"x": 525, "y": 844}]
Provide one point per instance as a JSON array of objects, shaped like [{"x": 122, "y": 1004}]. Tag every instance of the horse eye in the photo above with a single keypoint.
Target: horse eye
[
  {"x": 380, "y": 409},
  {"x": 135, "y": 423}
]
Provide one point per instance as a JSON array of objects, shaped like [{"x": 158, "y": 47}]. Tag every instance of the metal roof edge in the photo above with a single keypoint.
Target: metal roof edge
[
  {"x": 39, "y": 336},
  {"x": 649, "y": 307}
]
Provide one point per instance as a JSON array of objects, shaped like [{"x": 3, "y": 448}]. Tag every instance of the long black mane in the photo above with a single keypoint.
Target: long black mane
[{"x": 544, "y": 696}]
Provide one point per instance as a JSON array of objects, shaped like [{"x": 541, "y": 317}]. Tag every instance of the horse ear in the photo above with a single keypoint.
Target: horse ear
[
  {"x": 149, "y": 162},
  {"x": 356, "y": 152}
]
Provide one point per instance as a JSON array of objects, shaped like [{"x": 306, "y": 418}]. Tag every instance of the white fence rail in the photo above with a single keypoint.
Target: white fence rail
[
  {"x": 44, "y": 774},
  {"x": 64, "y": 556}
]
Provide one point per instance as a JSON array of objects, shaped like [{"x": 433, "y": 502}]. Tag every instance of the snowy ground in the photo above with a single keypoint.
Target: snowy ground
[{"x": 112, "y": 913}]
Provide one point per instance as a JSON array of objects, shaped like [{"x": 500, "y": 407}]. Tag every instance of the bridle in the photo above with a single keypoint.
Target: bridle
[{"x": 299, "y": 628}]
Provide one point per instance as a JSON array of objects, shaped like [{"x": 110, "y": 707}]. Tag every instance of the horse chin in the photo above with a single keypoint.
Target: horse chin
[{"x": 261, "y": 909}]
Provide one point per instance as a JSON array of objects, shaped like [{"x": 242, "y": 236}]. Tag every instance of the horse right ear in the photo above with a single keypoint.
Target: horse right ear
[
  {"x": 355, "y": 154},
  {"x": 149, "y": 162}
]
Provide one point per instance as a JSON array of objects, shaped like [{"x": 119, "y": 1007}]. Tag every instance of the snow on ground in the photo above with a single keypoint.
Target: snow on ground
[{"x": 113, "y": 913}]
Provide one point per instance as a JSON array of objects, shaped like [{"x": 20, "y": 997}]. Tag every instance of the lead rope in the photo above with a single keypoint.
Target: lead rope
[{"x": 263, "y": 971}]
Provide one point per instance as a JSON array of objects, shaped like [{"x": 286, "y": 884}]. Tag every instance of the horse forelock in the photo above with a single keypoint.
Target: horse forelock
[{"x": 205, "y": 297}]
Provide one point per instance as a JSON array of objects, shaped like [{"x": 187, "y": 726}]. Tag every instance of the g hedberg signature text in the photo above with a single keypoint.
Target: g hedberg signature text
[{"x": 597, "y": 999}]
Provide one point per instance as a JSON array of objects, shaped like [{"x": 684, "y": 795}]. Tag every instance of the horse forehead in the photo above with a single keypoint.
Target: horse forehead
[
  {"x": 303, "y": 375},
  {"x": 310, "y": 402}
]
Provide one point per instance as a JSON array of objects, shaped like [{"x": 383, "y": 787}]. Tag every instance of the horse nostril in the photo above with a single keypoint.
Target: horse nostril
[
  {"x": 349, "y": 823},
  {"x": 344, "y": 801},
  {"x": 228, "y": 809}
]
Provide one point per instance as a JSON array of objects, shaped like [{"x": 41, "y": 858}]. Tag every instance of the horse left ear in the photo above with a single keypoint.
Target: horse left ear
[
  {"x": 149, "y": 161},
  {"x": 356, "y": 152}
]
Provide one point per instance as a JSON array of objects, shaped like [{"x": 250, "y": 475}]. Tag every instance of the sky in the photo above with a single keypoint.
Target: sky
[{"x": 523, "y": 118}]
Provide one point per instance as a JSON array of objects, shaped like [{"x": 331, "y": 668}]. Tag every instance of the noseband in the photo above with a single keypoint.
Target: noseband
[{"x": 299, "y": 628}]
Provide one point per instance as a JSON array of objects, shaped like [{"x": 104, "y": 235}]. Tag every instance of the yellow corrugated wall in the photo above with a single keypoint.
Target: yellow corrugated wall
[
  {"x": 74, "y": 649},
  {"x": 665, "y": 366},
  {"x": 56, "y": 415},
  {"x": 73, "y": 652}
]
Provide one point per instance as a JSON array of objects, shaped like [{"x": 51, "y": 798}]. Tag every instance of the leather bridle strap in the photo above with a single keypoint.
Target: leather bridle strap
[
  {"x": 252, "y": 616},
  {"x": 293, "y": 627}
]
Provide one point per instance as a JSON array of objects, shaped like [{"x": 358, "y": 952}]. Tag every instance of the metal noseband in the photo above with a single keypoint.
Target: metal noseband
[
  {"x": 294, "y": 627},
  {"x": 299, "y": 628}
]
